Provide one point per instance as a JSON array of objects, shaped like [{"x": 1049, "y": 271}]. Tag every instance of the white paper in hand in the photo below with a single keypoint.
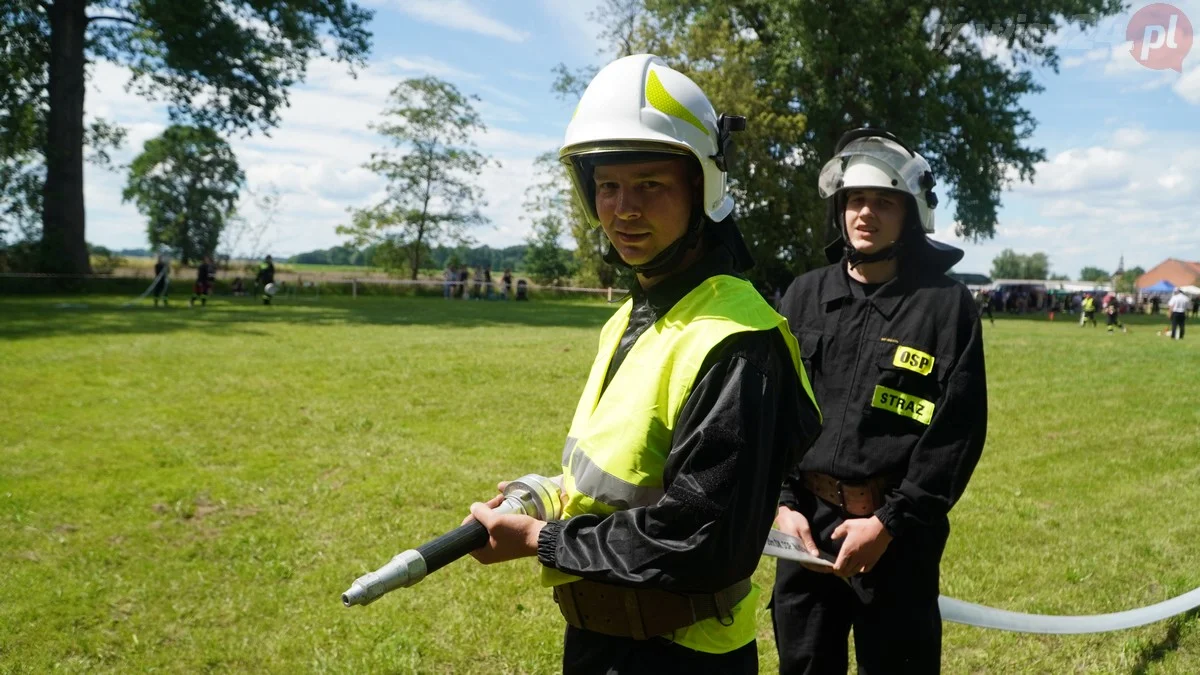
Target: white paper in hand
[{"x": 786, "y": 546}]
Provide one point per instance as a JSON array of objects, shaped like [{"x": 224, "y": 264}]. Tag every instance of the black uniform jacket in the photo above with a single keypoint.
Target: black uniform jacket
[
  {"x": 743, "y": 427},
  {"x": 900, "y": 380}
]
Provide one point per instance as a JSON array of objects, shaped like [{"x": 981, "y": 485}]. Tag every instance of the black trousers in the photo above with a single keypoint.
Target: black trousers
[
  {"x": 589, "y": 653},
  {"x": 893, "y": 608},
  {"x": 1178, "y": 319}
]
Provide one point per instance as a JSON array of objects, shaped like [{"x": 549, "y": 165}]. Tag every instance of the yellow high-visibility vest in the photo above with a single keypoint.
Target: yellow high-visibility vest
[{"x": 618, "y": 443}]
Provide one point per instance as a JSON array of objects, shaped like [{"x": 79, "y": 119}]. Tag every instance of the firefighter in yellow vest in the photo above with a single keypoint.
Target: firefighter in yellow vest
[
  {"x": 696, "y": 405},
  {"x": 1089, "y": 311}
]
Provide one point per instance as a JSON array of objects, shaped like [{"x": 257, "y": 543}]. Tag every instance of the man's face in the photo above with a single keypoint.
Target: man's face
[
  {"x": 874, "y": 219},
  {"x": 644, "y": 207}
]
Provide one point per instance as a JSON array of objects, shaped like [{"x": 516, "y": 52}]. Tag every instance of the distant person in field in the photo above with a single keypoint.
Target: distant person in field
[
  {"x": 450, "y": 276},
  {"x": 477, "y": 288},
  {"x": 1195, "y": 306},
  {"x": 1154, "y": 302},
  {"x": 522, "y": 290},
  {"x": 463, "y": 276},
  {"x": 206, "y": 273},
  {"x": 266, "y": 275},
  {"x": 487, "y": 282},
  {"x": 238, "y": 287},
  {"x": 1112, "y": 310},
  {"x": 1089, "y": 311},
  {"x": 162, "y": 279},
  {"x": 506, "y": 282},
  {"x": 984, "y": 300},
  {"x": 1178, "y": 305}
]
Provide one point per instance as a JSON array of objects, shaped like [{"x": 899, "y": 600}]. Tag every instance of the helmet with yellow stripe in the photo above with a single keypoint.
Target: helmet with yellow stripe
[{"x": 638, "y": 104}]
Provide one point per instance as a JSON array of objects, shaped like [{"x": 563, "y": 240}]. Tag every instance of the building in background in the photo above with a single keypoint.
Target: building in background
[{"x": 1176, "y": 273}]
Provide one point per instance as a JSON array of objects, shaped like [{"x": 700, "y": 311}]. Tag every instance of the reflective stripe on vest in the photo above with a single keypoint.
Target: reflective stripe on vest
[{"x": 618, "y": 444}]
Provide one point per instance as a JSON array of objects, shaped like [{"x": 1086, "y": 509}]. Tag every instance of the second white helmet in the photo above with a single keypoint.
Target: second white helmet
[
  {"x": 640, "y": 104},
  {"x": 871, "y": 158}
]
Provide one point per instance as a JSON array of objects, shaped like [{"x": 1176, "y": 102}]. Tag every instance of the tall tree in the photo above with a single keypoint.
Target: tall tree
[
  {"x": 186, "y": 182},
  {"x": 1090, "y": 273},
  {"x": 805, "y": 72},
  {"x": 545, "y": 259},
  {"x": 549, "y": 205},
  {"x": 1126, "y": 282},
  {"x": 1012, "y": 265},
  {"x": 551, "y": 196},
  {"x": 430, "y": 170},
  {"x": 225, "y": 64}
]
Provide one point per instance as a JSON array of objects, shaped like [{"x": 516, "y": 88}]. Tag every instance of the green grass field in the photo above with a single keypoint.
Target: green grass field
[{"x": 191, "y": 490}]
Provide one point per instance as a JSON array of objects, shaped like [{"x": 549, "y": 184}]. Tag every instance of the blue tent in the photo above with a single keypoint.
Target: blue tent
[{"x": 1160, "y": 287}]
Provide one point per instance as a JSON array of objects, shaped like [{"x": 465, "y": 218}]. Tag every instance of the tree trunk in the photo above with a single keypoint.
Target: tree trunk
[
  {"x": 415, "y": 258},
  {"x": 64, "y": 248}
]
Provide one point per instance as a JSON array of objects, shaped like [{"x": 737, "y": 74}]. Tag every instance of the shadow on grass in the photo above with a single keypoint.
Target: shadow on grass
[
  {"x": 1153, "y": 653},
  {"x": 40, "y": 316}
]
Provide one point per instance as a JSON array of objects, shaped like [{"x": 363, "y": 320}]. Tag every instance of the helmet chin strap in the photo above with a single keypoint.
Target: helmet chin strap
[
  {"x": 669, "y": 258},
  {"x": 856, "y": 258}
]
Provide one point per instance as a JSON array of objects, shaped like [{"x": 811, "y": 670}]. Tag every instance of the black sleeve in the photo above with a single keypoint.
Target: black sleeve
[
  {"x": 946, "y": 454},
  {"x": 744, "y": 424},
  {"x": 790, "y": 305}
]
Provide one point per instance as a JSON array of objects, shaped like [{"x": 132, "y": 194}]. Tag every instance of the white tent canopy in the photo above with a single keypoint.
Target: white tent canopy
[{"x": 1191, "y": 290}]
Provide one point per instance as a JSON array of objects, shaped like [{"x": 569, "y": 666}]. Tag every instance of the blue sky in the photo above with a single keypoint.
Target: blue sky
[{"x": 1122, "y": 175}]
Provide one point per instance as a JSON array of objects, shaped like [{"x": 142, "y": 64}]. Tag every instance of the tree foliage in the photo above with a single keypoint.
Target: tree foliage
[
  {"x": 225, "y": 64},
  {"x": 1090, "y": 273},
  {"x": 430, "y": 171},
  {"x": 1012, "y": 265},
  {"x": 252, "y": 239},
  {"x": 552, "y": 212},
  {"x": 1127, "y": 280},
  {"x": 546, "y": 261},
  {"x": 186, "y": 182},
  {"x": 805, "y": 72},
  {"x": 24, "y": 47}
]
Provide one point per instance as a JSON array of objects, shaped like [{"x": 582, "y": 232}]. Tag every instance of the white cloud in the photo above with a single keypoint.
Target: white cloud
[
  {"x": 528, "y": 77},
  {"x": 574, "y": 18},
  {"x": 1091, "y": 56},
  {"x": 1130, "y": 137},
  {"x": 1090, "y": 169},
  {"x": 314, "y": 158},
  {"x": 510, "y": 98},
  {"x": 1121, "y": 61},
  {"x": 1150, "y": 81},
  {"x": 1135, "y": 196},
  {"x": 1188, "y": 86},
  {"x": 459, "y": 15},
  {"x": 1122, "y": 65},
  {"x": 429, "y": 66}
]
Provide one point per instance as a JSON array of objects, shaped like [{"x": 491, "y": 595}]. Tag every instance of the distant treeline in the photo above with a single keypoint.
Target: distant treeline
[{"x": 435, "y": 258}]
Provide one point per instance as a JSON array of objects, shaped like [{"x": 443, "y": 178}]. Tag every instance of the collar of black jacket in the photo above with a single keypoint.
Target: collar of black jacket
[
  {"x": 886, "y": 299},
  {"x": 663, "y": 295}
]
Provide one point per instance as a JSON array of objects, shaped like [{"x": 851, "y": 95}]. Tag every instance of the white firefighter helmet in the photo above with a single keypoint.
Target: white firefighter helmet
[
  {"x": 873, "y": 158},
  {"x": 638, "y": 104}
]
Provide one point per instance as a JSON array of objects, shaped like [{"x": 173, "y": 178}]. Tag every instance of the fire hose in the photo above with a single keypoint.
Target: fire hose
[{"x": 538, "y": 497}]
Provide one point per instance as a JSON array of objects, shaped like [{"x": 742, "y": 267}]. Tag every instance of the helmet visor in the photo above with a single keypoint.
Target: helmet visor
[
  {"x": 580, "y": 161},
  {"x": 907, "y": 171}
]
